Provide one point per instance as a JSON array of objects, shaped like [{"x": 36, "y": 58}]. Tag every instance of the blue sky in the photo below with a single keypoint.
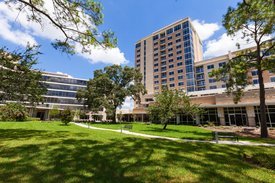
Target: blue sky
[{"x": 130, "y": 20}]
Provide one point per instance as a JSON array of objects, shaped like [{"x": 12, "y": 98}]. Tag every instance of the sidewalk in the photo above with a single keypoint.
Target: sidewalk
[{"x": 247, "y": 143}]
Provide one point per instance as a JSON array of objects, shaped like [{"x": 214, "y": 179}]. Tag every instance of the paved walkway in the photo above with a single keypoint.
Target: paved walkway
[{"x": 247, "y": 143}]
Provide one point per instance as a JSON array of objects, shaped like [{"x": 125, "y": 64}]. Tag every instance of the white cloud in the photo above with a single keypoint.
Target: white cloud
[
  {"x": 19, "y": 30},
  {"x": 15, "y": 36},
  {"x": 225, "y": 43},
  {"x": 107, "y": 56},
  {"x": 205, "y": 30},
  {"x": 128, "y": 104}
]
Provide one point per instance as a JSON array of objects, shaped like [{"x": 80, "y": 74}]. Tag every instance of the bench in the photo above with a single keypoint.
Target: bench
[
  {"x": 128, "y": 127},
  {"x": 227, "y": 135}
]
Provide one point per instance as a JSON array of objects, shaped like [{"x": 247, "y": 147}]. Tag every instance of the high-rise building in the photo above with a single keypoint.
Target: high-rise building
[{"x": 172, "y": 56}]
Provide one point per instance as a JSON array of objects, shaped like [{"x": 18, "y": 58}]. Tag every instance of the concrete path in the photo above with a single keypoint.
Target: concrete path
[{"x": 247, "y": 143}]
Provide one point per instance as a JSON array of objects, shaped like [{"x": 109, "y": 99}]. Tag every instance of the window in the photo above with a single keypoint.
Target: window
[
  {"x": 185, "y": 31},
  {"x": 180, "y": 71},
  {"x": 188, "y": 62},
  {"x": 156, "y": 54},
  {"x": 169, "y": 31},
  {"x": 190, "y": 82},
  {"x": 163, "y": 69},
  {"x": 138, "y": 45},
  {"x": 169, "y": 38},
  {"x": 179, "y": 64},
  {"x": 179, "y": 46},
  {"x": 178, "y": 34},
  {"x": 213, "y": 87},
  {"x": 138, "y": 55},
  {"x": 189, "y": 75},
  {"x": 171, "y": 73},
  {"x": 254, "y": 73},
  {"x": 171, "y": 66},
  {"x": 187, "y": 50},
  {"x": 171, "y": 79},
  {"x": 138, "y": 65},
  {"x": 162, "y": 47},
  {"x": 199, "y": 69},
  {"x": 156, "y": 88},
  {"x": 222, "y": 64},
  {"x": 180, "y": 77},
  {"x": 156, "y": 82},
  {"x": 155, "y": 37},
  {"x": 181, "y": 83},
  {"x": 178, "y": 27},
  {"x": 163, "y": 52},
  {"x": 272, "y": 79},
  {"x": 156, "y": 43},
  {"x": 170, "y": 55},
  {"x": 186, "y": 37},
  {"x": 163, "y": 58},
  {"x": 171, "y": 60},
  {"x": 162, "y": 35},
  {"x": 169, "y": 44},
  {"x": 210, "y": 66},
  {"x": 162, "y": 41},
  {"x": 156, "y": 59},
  {"x": 156, "y": 64},
  {"x": 186, "y": 43},
  {"x": 156, "y": 76},
  {"x": 172, "y": 85},
  {"x": 164, "y": 81},
  {"x": 223, "y": 86},
  {"x": 163, "y": 75},
  {"x": 255, "y": 81},
  {"x": 163, "y": 63},
  {"x": 156, "y": 70},
  {"x": 155, "y": 49},
  {"x": 187, "y": 56},
  {"x": 212, "y": 80},
  {"x": 185, "y": 25},
  {"x": 189, "y": 68},
  {"x": 170, "y": 49},
  {"x": 178, "y": 40},
  {"x": 179, "y": 52},
  {"x": 179, "y": 58}
]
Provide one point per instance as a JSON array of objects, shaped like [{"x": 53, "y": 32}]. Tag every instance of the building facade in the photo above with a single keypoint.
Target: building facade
[{"x": 172, "y": 56}]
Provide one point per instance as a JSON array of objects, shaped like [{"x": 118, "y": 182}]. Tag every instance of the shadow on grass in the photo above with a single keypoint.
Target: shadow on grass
[{"x": 118, "y": 160}]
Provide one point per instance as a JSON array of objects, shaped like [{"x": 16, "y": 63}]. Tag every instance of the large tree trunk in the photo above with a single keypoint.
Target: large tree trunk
[
  {"x": 114, "y": 116},
  {"x": 264, "y": 131}
]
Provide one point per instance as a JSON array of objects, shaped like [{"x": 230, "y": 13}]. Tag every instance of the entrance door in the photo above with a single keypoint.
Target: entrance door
[{"x": 232, "y": 119}]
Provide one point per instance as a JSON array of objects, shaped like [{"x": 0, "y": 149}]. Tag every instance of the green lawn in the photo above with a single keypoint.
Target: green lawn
[
  {"x": 177, "y": 131},
  {"x": 51, "y": 152}
]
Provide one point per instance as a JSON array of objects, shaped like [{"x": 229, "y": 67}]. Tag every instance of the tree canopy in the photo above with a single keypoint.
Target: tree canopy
[
  {"x": 169, "y": 103},
  {"x": 77, "y": 20},
  {"x": 19, "y": 82},
  {"x": 110, "y": 87},
  {"x": 256, "y": 20}
]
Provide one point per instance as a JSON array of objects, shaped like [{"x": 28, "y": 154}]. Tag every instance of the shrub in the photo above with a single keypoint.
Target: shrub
[
  {"x": 54, "y": 114},
  {"x": 66, "y": 116},
  {"x": 13, "y": 112}
]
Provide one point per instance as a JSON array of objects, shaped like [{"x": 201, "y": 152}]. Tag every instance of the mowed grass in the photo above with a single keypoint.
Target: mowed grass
[
  {"x": 176, "y": 131},
  {"x": 51, "y": 152}
]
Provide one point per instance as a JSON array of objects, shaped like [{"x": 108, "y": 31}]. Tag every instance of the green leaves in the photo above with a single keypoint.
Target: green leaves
[
  {"x": 110, "y": 87},
  {"x": 169, "y": 103},
  {"x": 77, "y": 20},
  {"x": 19, "y": 82}
]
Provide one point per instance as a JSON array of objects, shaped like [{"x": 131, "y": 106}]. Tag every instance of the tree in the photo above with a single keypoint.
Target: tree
[
  {"x": 256, "y": 20},
  {"x": 169, "y": 103},
  {"x": 66, "y": 116},
  {"x": 54, "y": 113},
  {"x": 19, "y": 82},
  {"x": 13, "y": 112},
  {"x": 77, "y": 20},
  {"x": 110, "y": 87}
]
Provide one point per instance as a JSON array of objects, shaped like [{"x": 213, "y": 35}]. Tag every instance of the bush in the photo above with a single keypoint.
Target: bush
[
  {"x": 66, "y": 116},
  {"x": 54, "y": 114},
  {"x": 13, "y": 112}
]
